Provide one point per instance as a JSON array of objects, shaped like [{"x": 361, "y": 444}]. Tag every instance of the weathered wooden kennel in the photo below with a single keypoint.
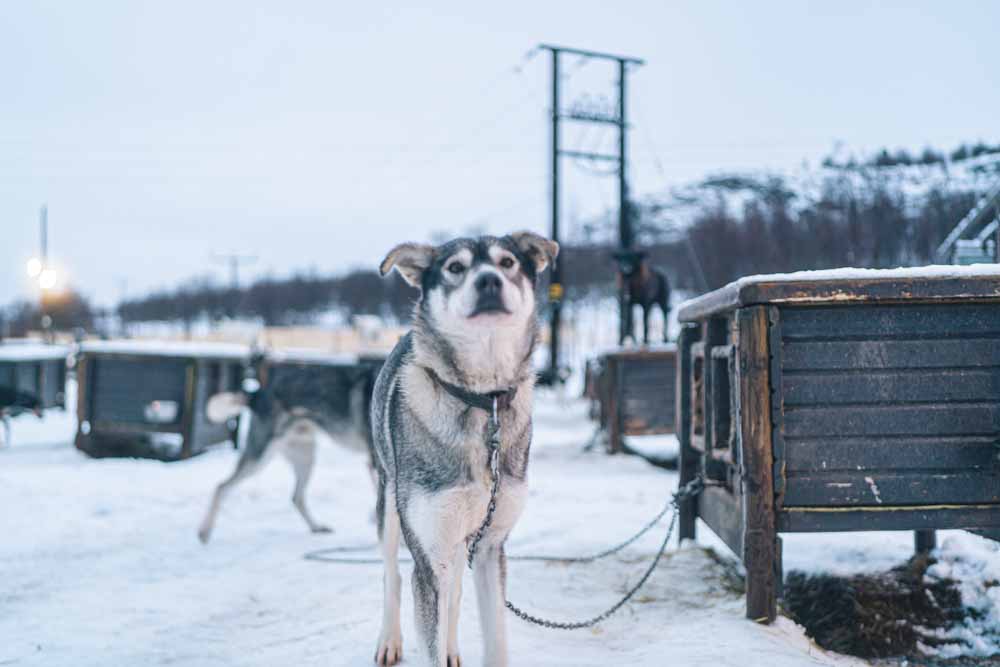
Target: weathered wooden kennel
[
  {"x": 148, "y": 399},
  {"x": 631, "y": 386},
  {"x": 865, "y": 401},
  {"x": 39, "y": 370}
]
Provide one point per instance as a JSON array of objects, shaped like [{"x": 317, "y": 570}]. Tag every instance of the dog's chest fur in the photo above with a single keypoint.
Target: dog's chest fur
[
  {"x": 440, "y": 457},
  {"x": 453, "y": 436}
]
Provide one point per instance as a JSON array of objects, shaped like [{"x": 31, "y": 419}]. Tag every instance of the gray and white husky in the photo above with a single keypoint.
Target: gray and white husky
[
  {"x": 288, "y": 415},
  {"x": 474, "y": 332}
]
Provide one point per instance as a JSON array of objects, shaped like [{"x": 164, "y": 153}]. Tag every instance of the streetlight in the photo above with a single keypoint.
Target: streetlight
[
  {"x": 39, "y": 269},
  {"x": 47, "y": 278}
]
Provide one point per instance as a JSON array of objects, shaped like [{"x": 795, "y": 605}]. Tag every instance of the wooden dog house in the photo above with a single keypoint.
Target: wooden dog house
[
  {"x": 634, "y": 391},
  {"x": 148, "y": 398},
  {"x": 36, "y": 369},
  {"x": 840, "y": 401}
]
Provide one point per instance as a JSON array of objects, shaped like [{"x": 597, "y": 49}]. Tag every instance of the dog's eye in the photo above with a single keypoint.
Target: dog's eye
[
  {"x": 456, "y": 268},
  {"x": 506, "y": 262}
]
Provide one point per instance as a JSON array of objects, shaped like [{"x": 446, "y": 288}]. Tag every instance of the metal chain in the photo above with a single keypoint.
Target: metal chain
[
  {"x": 576, "y": 625},
  {"x": 689, "y": 490},
  {"x": 601, "y": 554},
  {"x": 322, "y": 555},
  {"x": 493, "y": 443}
]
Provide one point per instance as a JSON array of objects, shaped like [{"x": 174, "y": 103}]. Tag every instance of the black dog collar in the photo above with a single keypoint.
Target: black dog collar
[{"x": 484, "y": 401}]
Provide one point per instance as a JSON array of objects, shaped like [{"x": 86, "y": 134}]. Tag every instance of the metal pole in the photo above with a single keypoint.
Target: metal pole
[
  {"x": 43, "y": 223},
  {"x": 555, "y": 287},
  {"x": 43, "y": 232},
  {"x": 626, "y": 241},
  {"x": 624, "y": 226}
]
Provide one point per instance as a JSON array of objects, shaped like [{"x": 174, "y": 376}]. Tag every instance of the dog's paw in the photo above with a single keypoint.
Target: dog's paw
[
  {"x": 204, "y": 535},
  {"x": 390, "y": 650},
  {"x": 320, "y": 528},
  {"x": 454, "y": 660}
]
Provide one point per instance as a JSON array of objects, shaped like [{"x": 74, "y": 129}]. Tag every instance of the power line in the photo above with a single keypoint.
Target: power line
[
  {"x": 688, "y": 243},
  {"x": 509, "y": 208},
  {"x": 517, "y": 70}
]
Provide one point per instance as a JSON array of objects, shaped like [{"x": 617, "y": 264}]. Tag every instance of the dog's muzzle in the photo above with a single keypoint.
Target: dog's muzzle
[{"x": 488, "y": 288}]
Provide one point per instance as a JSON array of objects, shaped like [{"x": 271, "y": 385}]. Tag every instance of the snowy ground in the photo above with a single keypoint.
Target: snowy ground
[{"x": 99, "y": 564}]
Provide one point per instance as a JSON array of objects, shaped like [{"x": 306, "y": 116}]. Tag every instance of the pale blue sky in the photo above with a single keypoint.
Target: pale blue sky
[{"x": 318, "y": 134}]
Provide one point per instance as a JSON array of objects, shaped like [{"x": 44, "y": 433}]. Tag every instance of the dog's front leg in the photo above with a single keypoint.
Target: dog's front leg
[
  {"x": 432, "y": 578},
  {"x": 389, "y": 649},
  {"x": 434, "y": 530},
  {"x": 491, "y": 594},
  {"x": 455, "y": 606}
]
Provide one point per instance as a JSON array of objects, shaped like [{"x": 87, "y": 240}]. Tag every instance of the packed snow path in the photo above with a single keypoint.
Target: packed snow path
[{"x": 100, "y": 565}]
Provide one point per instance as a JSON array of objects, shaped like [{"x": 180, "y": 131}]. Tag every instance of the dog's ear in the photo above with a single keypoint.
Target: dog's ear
[
  {"x": 410, "y": 259},
  {"x": 539, "y": 249}
]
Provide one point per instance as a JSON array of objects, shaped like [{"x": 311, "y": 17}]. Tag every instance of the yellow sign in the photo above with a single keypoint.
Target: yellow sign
[{"x": 555, "y": 292}]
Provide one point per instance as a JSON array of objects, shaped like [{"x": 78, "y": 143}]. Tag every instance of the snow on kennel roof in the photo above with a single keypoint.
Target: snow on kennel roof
[
  {"x": 32, "y": 351},
  {"x": 849, "y": 285},
  {"x": 168, "y": 348}
]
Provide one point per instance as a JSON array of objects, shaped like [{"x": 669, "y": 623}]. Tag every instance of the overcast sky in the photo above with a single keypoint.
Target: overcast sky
[{"x": 314, "y": 135}]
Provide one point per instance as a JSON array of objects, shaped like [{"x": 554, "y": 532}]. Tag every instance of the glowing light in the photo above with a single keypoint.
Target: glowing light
[
  {"x": 47, "y": 278},
  {"x": 34, "y": 267}
]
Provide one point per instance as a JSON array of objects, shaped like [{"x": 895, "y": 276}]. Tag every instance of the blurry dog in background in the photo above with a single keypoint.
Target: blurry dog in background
[
  {"x": 647, "y": 287},
  {"x": 288, "y": 416}
]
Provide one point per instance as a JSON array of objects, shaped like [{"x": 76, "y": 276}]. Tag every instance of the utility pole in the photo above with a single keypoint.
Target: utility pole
[
  {"x": 45, "y": 272},
  {"x": 626, "y": 253},
  {"x": 555, "y": 280},
  {"x": 43, "y": 223},
  {"x": 234, "y": 260}
]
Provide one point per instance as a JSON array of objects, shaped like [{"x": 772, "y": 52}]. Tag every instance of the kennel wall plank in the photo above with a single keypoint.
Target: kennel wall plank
[
  {"x": 889, "y": 518},
  {"x": 873, "y": 488},
  {"x": 892, "y": 321},
  {"x": 974, "y": 418},
  {"x": 899, "y": 386},
  {"x": 887, "y": 354},
  {"x": 721, "y": 511},
  {"x": 900, "y": 453}
]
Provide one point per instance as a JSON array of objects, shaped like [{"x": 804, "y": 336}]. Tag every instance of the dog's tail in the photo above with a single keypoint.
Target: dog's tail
[{"x": 223, "y": 407}]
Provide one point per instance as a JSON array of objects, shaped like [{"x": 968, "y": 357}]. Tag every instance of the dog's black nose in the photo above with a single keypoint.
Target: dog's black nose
[{"x": 488, "y": 283}]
